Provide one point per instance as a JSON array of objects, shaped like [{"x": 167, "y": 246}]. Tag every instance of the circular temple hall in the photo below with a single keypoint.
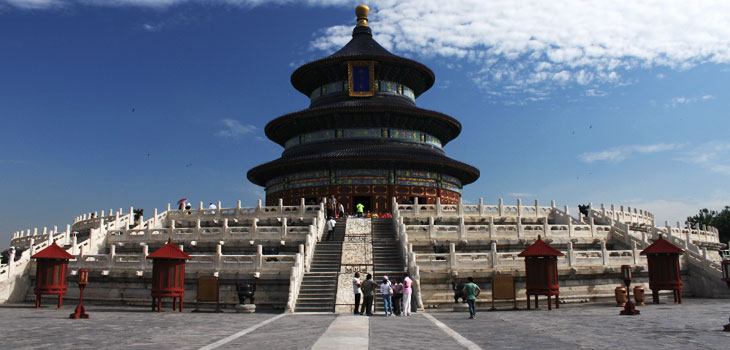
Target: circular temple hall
[{"x": 363, "y": 139}]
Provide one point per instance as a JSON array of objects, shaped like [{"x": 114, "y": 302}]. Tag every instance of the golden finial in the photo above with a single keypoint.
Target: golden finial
[{"x": 362, "y": 12}]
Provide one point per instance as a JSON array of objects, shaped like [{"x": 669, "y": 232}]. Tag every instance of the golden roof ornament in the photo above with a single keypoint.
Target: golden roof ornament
[{"x": 362, "y": 12}]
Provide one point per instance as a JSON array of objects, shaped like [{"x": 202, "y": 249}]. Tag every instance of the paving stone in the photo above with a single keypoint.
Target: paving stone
[
  {"x": 412, "y": 332},
  {"x": 289, "y": 332},
  {"x": 696, "y": 324},
  {"x": 25, "y": 327}
]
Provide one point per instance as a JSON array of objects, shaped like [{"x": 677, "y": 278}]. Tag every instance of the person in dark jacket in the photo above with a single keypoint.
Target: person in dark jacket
[{"x": 368, "y": 287}]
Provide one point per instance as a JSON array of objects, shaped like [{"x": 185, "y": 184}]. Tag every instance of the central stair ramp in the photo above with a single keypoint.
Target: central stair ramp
[
  {"x": 387, "y": 257},
  {"x": 319, "y": 286}
]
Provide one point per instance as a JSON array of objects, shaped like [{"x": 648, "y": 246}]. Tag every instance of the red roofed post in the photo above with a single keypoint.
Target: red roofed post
[
  {"x": 168, "y": 275},
  {"x": 663, "y": 260},
  {"x": 51, "y": 270},
  {"x": 541, "y": 272}
]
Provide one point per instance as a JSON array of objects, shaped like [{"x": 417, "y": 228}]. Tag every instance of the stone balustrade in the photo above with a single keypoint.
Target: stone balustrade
[
  {"x": 213, "y": 234},
  {"x": 24, "y": 239},
  {"x": 492, "y": 260},
  {"x": 637, "y": 216},
  {"x": 238, "y": 213},
  {"x": 491, "y": 231},
  {"x": 216, "y": 263},
  {"x": 479, "y": 210},
  {"x": 707, "y": 234}
]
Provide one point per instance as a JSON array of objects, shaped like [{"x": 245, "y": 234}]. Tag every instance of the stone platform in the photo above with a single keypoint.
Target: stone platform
[{"x": 696, "y": 324}]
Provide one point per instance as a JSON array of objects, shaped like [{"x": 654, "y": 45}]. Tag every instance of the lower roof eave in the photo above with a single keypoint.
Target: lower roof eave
[{"x": 466, "y": 173}]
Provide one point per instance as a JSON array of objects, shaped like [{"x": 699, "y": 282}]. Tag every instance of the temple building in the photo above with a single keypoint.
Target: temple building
[{"x": 363, "y": 139}]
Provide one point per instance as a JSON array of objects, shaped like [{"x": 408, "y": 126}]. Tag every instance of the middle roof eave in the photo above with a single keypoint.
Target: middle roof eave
[{"x": 289, "y": 125}]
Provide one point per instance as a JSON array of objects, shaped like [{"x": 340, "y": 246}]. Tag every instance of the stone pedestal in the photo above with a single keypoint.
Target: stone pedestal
[
  {"x": 357, "y": 256},
  {"x": 461, "y": 307},
  {"x": 246, "y": 309}
]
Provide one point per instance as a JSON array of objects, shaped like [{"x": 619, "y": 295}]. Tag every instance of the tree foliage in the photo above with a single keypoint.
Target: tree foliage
[{"x": 720, "y": 220}]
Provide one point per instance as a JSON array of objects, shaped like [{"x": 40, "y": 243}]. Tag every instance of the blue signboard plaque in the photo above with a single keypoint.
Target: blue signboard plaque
[{"x": 361, "y": 78}]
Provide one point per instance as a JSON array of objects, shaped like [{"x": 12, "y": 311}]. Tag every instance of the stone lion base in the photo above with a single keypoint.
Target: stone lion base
[{"x": 246, "y": 309}]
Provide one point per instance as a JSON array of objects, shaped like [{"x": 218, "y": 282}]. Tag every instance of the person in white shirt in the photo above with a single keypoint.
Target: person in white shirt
[
  {"x": 330, "y": 228},
  {"x": 407, "y": 291},
  {"x": 386, "y": 290},
  {"x": 356, "y": 289},
  {"x": 212, "y": 206}
]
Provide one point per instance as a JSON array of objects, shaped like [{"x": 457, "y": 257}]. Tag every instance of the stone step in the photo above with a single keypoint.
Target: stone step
[
  {"x": 333, "y": 264},
  {"x": 314, "y": 303},
  {"x": 316, "y": 294},
  {"x": 314, "y": 309},
  {"x": 318, "y": 286}
]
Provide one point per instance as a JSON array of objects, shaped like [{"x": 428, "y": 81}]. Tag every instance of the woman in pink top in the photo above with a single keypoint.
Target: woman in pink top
[{"x": 407, "y": 291}]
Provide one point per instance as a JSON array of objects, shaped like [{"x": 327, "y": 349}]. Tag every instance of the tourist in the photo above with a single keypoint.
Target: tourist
[
  {"x": 397, "y": 296},
  {"x": 471, "y": 291},
  {"x": 360, "y": 208},
  {"x": 386, "y": 289},
  {"x": 368, "y": 287},
  {"x": 334, "y": 204},
  {"x": 341, "y": 214},
  {"x": 330, "y": 228},
  {"x": 356, "y": 284},
  {"x": 330, "y": 208},
  {"x": 407, "y": 291},
  {"x": 212, "y": 206}
]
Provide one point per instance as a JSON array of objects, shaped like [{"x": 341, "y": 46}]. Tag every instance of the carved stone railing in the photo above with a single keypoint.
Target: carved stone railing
[
  {"x": 455, "y": 263},
  {"x": 491, "y": 231},
  {"x": 216, "y": 263},
  {"x": 213, "y": 234},
  {"x": 637, "y": 216},
  {"x": 479, "y": 210},
  {"x": 277, "y": 211},
  {"x": 24, "y": 239}
]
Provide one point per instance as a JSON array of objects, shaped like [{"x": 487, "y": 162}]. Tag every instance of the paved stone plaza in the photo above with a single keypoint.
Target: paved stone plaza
[{"x": 696, "y": 324}]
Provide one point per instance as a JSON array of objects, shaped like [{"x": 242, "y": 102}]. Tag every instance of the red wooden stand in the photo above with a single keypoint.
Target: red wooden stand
[
  {"x": 629, "y": 309},
  {"x": 541, "y": 272},
  {"x": 83, "y": 281},
  {"x": 168, "y": 275},
  {"x": 51, "y": 269},
  {"x": 663, "y": 260}
]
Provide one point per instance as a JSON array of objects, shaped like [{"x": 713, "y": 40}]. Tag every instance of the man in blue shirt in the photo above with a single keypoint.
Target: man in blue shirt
[{"x": 471, "y": 291}]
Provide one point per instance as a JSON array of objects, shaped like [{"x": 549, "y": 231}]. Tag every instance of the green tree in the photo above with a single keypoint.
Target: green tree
[{"x": 720, "y": 220}]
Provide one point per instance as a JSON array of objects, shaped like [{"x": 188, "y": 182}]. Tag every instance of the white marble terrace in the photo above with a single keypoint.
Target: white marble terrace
[{"x": 461, "y": 227}]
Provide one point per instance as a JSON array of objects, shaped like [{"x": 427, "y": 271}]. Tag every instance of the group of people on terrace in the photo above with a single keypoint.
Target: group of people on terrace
[
  {"x": 336, "y": 209},
  {"x": 396, "y": 295}
]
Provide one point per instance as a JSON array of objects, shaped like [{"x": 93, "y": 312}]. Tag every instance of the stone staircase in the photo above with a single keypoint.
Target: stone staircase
[
  {"x": 319, "y": 286},
  {"x": 387, "y": 257}
]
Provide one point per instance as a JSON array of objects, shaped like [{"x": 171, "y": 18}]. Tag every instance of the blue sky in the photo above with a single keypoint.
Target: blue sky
[{"x": 118, "y": 103}]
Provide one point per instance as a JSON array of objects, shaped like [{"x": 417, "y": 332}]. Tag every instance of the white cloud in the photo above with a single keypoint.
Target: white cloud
[
  {"x": 522, "y": 47},
  {"x": 34, "y": 4},
  {"x": 543, "y": 44},
  {"x": 595, "y": 93},
  {"x": 681, "y": 100},
  {"x": 152, "y": 27},
  {"x": 234, "y": 128},
  {"x": 714, "y": 156},
  {"x": 620, "y": 153}
]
